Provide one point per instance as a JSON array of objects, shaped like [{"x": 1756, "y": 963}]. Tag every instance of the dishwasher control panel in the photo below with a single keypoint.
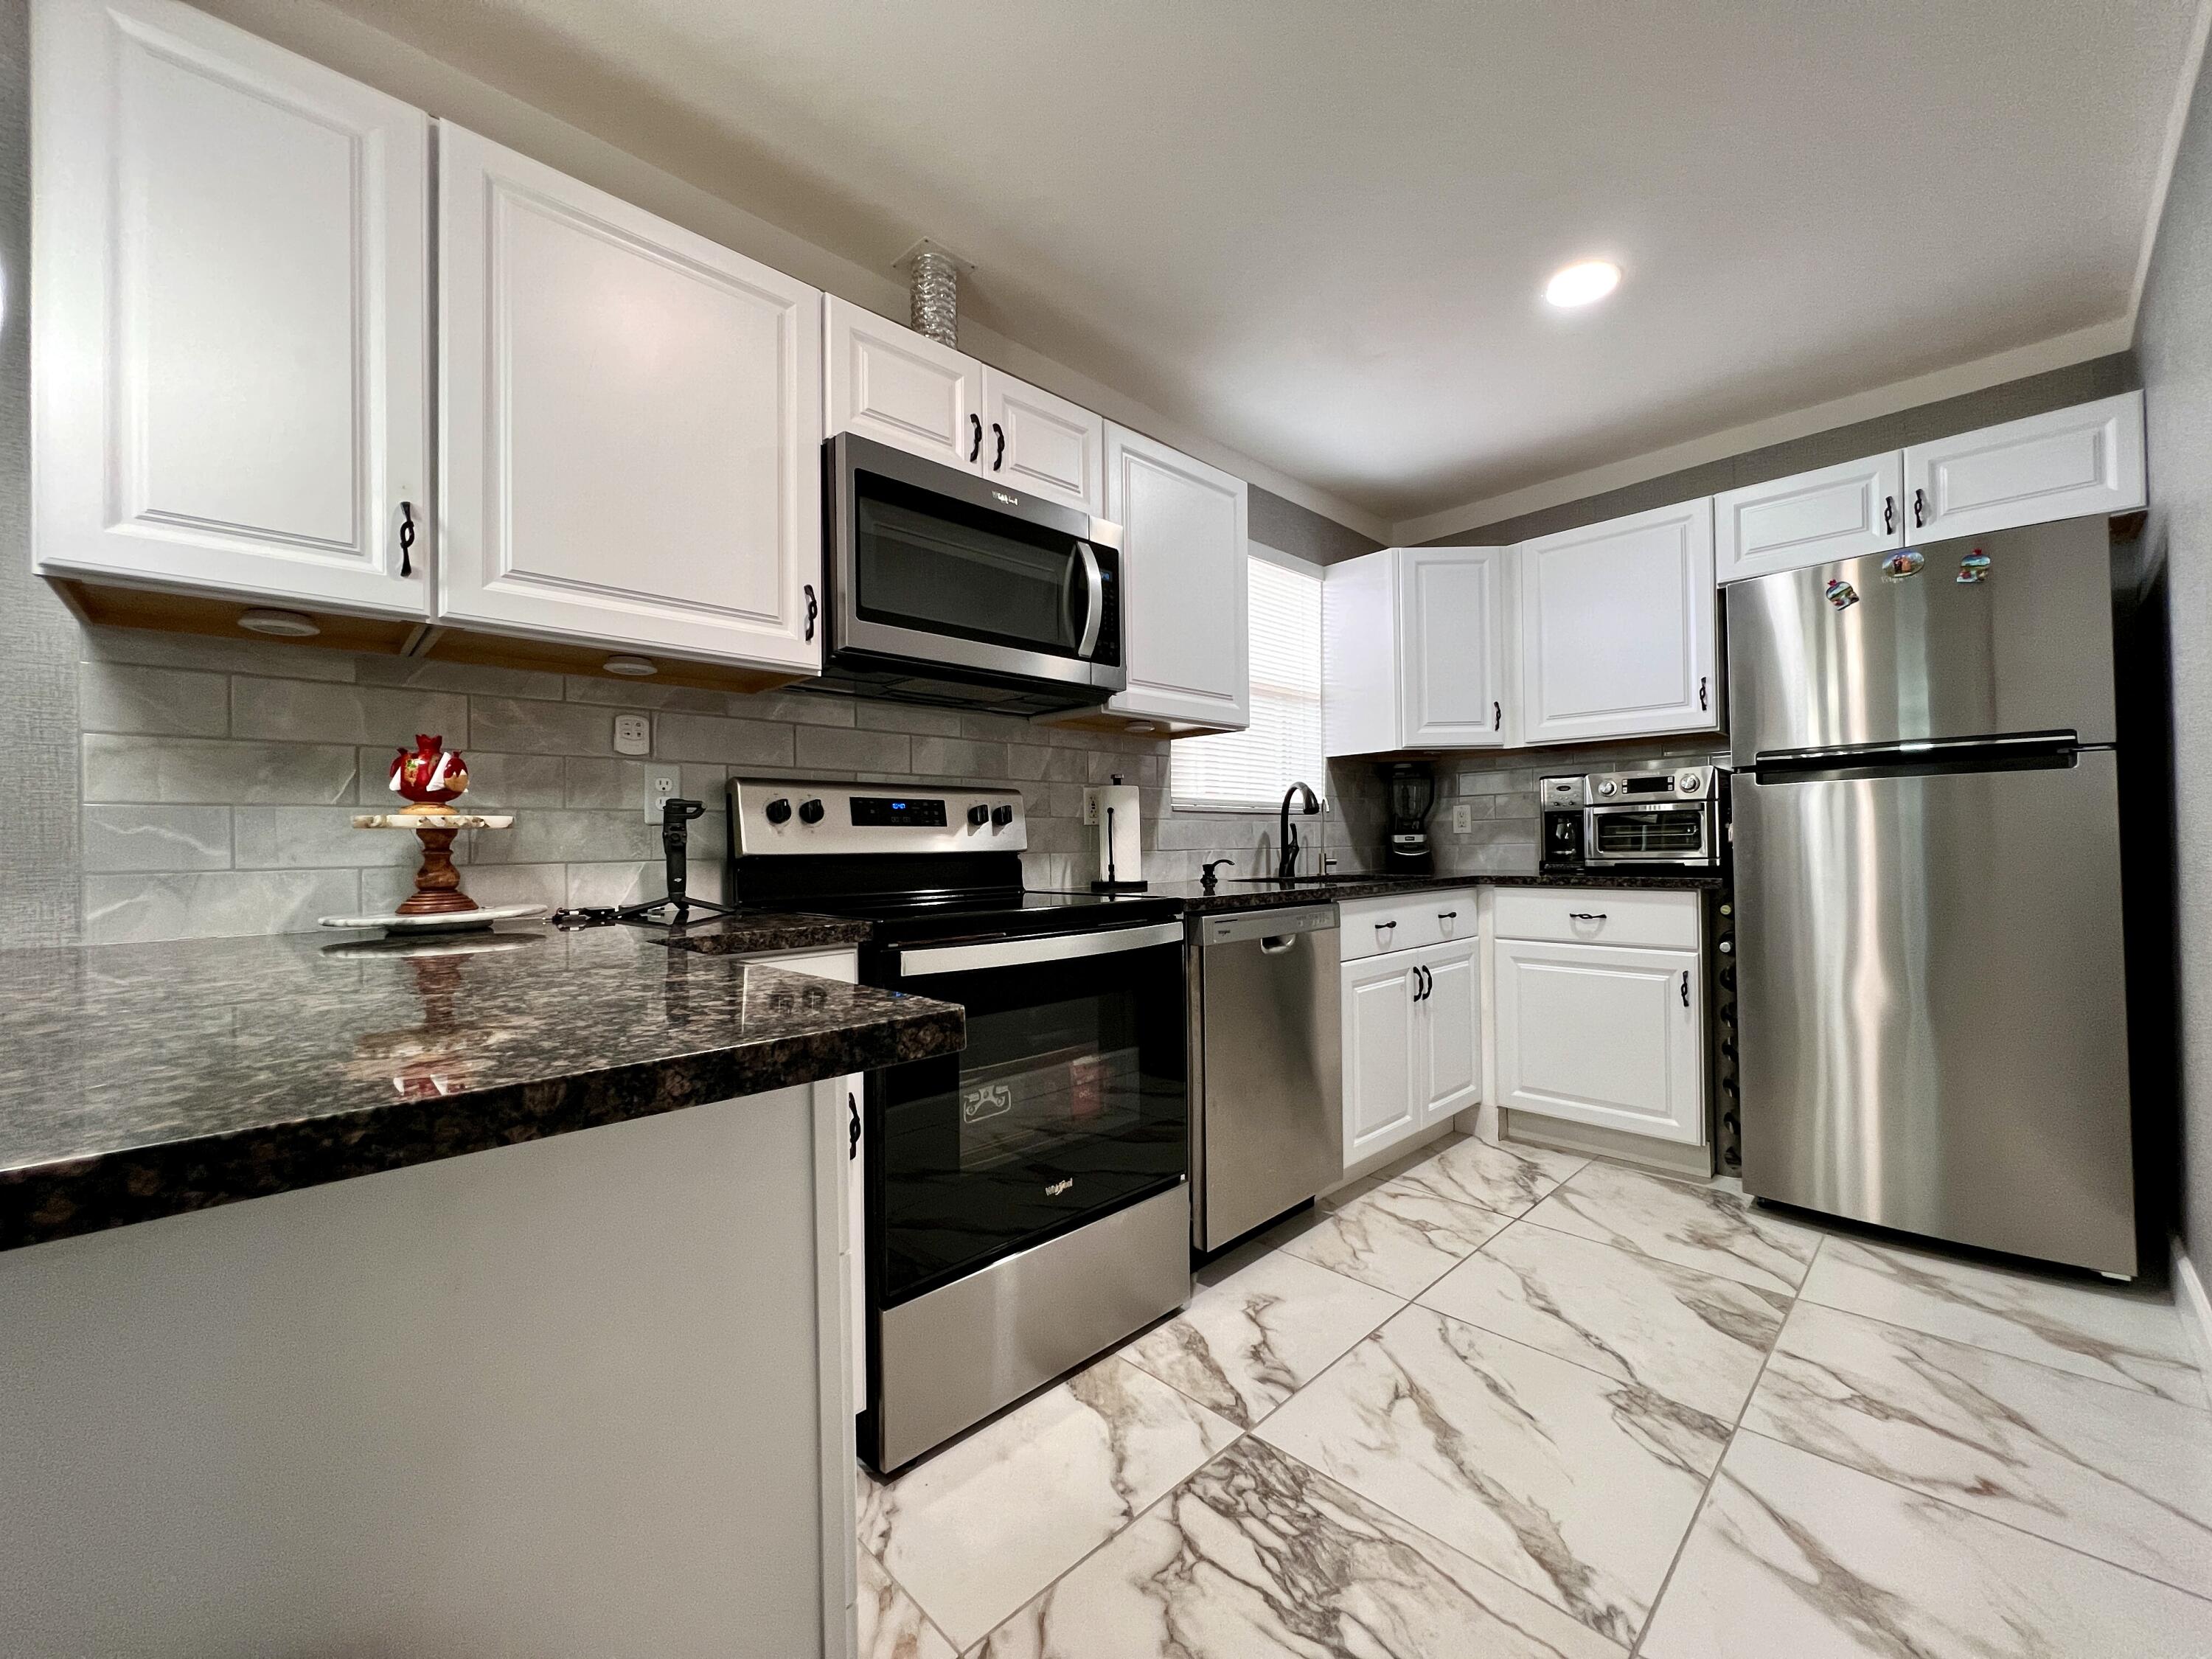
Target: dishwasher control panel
[{"x": 1265, "y": 924}]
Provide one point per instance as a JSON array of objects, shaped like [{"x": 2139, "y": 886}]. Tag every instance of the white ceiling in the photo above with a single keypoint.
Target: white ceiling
[{"x": 1317, "y": 231}]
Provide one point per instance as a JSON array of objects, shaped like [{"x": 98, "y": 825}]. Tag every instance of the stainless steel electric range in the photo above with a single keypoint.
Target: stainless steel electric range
[{"x": 1027, "y": 1200}]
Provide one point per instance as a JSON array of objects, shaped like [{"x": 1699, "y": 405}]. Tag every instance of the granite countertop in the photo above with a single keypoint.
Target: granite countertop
[
  {"x": 1269, "y": 895},
  {"x": 141, "y": 1081},
  {"x": 750, "y": 933}
]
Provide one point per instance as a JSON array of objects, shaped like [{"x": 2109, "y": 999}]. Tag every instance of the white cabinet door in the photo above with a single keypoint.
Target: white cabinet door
[
  {"x": 1379, "y": 1058},
  {"x": 902, "y": 388},
  {"x": 2072, "y": 461},
  {"x": 1617, "y": 628},
  {"x": 1601, "y": 1035},
  {"x": 1450, "y": 1070},
  {"x": 1359, "y": 698},
  {"x": 629, "y": 413},
  {"x": 229, "y": 334},
  {"x": 1042, "y": 445},
  {"x": 1450, "y": 637},
  {"x": 1836, "y": 513},
  {"x": 1184, "y": 584}
]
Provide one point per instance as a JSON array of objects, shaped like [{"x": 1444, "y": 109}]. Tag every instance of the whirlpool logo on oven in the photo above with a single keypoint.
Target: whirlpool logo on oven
[{"x": 989, "y": 1100}]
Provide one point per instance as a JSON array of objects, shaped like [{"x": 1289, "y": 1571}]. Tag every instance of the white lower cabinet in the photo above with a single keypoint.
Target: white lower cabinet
[
  {"x": 1605, "y": 1035},
  {"x": 629, "y": 421},
  {"x": 1412, "y": 1048}
]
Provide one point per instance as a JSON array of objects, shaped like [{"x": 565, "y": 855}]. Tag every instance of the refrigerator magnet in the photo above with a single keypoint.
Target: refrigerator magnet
[
  {"x": 1897, "y": 566},
  {"x": 1842, "y": 595},
  {"x": 1973, "y": 567}
]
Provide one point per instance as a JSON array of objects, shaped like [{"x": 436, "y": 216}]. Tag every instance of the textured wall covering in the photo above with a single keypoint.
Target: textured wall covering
[
  {"x": 38, "y": 638},
  {"x": 2174, "y": 344}
]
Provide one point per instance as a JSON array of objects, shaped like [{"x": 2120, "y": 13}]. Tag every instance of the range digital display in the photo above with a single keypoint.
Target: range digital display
[{"x": 884, "y": 812}]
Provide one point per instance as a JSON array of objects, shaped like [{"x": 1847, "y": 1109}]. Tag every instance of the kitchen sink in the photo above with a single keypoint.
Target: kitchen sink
[{"x": 1313, "y": 881}]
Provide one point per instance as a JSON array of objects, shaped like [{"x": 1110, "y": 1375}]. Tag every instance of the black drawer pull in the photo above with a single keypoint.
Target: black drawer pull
[{"x": 1585, "y": 915}]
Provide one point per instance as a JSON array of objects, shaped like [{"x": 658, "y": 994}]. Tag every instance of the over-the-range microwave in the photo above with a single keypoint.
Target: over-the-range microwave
[{"x": 950, "y": 589}]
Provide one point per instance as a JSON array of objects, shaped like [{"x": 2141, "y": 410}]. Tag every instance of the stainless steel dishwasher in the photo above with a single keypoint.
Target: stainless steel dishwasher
[{"x": 1266, "y": 1128}]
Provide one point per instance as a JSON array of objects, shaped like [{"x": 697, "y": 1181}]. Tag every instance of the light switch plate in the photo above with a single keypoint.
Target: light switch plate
[
  {"x": 632, "y": 735},
  {"x": 1463, "y": 817}
]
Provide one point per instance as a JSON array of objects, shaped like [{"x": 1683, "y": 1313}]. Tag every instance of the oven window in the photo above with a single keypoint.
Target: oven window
[
  {"x": 1656, "y": 832},
  {"x": 922, "y": 560},
  {"x": 1069, "y": 1101}
]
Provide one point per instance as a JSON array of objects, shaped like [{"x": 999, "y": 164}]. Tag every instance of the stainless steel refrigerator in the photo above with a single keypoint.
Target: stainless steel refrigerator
[{"x": 1932, "y": 1001}]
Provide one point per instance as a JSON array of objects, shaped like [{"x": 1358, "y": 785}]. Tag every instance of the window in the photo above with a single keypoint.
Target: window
[{"x": 1249, "y": 770}]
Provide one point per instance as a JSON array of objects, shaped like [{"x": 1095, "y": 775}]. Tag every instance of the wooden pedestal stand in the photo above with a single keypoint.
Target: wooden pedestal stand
[{"x": 437, "y": 883}]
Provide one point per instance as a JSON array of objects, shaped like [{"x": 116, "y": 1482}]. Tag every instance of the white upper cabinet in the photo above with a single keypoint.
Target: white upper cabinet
[
  {"x": 1184, "y": 544},
  {"x": 889, "y": 383},
  {"x": 1040, "y": 444},
  {"x": 1836, "y": 513},
  {"x": 1451, "y": 673},
  {"x": 2072, "y": 461},
  {"x": 629, "y": 421},
  {"x": 229, "y": 312},
  {"x": 1414, "y": 651},
  {"x": 1617, "y": 628}
]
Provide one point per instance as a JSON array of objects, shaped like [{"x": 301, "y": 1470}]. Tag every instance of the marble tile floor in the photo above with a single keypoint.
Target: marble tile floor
[{"x": 1503, "y": 1402}]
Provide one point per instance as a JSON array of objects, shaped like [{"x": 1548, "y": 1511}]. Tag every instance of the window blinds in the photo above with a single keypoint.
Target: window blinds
[{"x": 1241, "y": 770}]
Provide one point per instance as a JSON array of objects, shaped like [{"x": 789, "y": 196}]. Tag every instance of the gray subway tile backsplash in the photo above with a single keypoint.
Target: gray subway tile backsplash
[
  {"x": 211, "y": 770},
  {"x": 118, "y": 839},
  {"x": 112, "y": 696}
]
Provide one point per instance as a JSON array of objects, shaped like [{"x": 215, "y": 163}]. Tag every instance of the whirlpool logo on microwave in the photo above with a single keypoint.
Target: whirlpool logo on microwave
[{"x": 1059, "y": 1187}]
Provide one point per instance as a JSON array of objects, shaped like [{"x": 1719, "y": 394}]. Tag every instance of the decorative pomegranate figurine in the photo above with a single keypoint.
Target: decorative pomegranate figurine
[{"x": 432, "y": 776}]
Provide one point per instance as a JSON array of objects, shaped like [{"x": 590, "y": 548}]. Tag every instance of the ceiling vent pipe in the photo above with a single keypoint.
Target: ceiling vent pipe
[{"x": 933, "y": 276}]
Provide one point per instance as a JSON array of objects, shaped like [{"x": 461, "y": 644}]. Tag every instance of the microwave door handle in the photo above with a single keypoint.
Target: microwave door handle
[{"x": 1095, "y": 613}]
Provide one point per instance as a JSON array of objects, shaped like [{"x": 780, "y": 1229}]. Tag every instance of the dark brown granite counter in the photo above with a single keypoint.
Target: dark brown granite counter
[
  {"x": 1269, "y": 895},
  {"x": 140, "y": 1081},
  {"x": 748, "y": 933}
]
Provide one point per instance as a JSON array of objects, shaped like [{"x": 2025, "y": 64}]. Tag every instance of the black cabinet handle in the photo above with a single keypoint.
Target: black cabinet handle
[
  {"x": 1585, "y": 915},
  {"x": 406, "y": 537},
  {"x": 1919, "y": 508},
  {"x": 1686, "y": 988},
  {"x": 1447, "y": 915},
  {"x": 1701, "y": 692},
  {"x": 975, "y": 443},
  {"x": 999, "y": 454},
  {"x": 1497, "y": 716},
  {"x": 1422, "y": 984},
  {"x": 1889, "y": 515},
  {"x": 853, "y": 1129},
  {"x": 812, "y": 609}
]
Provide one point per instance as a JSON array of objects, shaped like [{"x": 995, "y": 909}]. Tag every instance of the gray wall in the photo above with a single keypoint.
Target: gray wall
[
  {"x": 1303, "y": 533},
  {"x": 38, "y": 638},
  {"x": 2100, "y": 377},
  {"x": 2174, "y": 344}
]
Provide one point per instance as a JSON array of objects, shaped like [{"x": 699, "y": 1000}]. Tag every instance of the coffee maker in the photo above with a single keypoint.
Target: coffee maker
[{"x": 1412, "y": 794}]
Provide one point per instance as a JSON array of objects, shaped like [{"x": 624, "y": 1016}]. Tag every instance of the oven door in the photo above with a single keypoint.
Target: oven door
[
  {"x": 939, "y": 568},
  {"x": 1649, "y": 832},
  {"x": 1070, "y": 1100}
]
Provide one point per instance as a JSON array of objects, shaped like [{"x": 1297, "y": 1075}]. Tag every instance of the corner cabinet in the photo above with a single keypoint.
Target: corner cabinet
[
  {"x": 629, "y": 415},
  {"x": 885, "y": 381},
  {"x": 230, "y": 317},
  {"x": 1618, "y": 627},
  {"x": 1184, "y": 544},
  {"x": 1414, "y": 651}
]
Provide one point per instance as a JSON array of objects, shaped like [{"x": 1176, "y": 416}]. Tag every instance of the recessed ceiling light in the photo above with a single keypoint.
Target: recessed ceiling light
[
  {"x": 635, "y": 668},
  {"x": 1581, "y": 284},
  {"x": 283, "y": 624}
]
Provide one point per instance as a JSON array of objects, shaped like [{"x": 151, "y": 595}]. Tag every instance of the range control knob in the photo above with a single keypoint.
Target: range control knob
[
  {"x": 810, "y": 812},
  {"x": 1001, "y": 817},
  {"x": 777, "y": 810},
  {"x": 1606, "y": 788},
  {"x": 978, "y": 816}
]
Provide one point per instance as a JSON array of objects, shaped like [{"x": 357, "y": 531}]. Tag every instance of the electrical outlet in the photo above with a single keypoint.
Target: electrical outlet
[
  {"x": 1463, "y": 817},
  {"x": 659, "y": 787},
  {"x": 632, "y": 735}
]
